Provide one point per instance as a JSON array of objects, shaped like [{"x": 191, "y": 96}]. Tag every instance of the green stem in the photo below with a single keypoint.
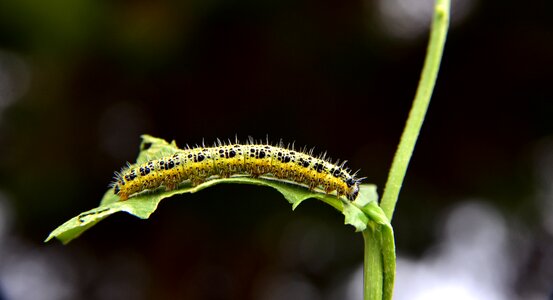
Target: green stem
[
  {"x": 380, "y": 260},
  {"x": 389, "y": 260},
  {"x": 372, "y": 266},
  {"x": 410, "y": 134}
]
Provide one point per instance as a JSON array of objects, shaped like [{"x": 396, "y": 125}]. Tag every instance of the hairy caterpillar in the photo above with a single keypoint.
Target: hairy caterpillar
[{"x": 223, "y": 160}]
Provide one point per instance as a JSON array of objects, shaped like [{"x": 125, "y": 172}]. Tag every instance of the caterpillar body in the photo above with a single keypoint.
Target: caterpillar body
[{"x": 199, "y": 164}]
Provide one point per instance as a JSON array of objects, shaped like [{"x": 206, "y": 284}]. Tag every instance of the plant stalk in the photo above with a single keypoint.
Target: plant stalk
[
  {"x": 373, "y": 275},
  {"x": 438, "y": 33},
  {"x": 379, "y": 256}
]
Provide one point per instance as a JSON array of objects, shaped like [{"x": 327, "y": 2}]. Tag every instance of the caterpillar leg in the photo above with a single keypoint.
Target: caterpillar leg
[
  {"x": 170, "y": 186},
  {"x": 197, "y": 181}
]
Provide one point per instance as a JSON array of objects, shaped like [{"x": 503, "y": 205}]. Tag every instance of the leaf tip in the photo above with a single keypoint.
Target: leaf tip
[{"x": 295, "y": 205}]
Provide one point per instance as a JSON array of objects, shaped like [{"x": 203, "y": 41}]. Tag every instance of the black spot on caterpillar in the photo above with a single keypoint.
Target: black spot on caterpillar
[{"x": 222, "y": 160}]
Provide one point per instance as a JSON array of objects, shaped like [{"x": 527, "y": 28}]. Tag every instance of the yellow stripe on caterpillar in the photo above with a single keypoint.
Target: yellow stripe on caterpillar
[{"x": 202, "y": 163}]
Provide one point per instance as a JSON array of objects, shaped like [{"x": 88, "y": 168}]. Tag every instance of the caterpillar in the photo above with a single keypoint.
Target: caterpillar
[{"x": 223, "y": 160}]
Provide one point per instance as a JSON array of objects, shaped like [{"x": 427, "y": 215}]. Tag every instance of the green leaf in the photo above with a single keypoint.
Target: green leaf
[
  {"x": 144, "y": 204},
  {"x": 154, "y": 148}
]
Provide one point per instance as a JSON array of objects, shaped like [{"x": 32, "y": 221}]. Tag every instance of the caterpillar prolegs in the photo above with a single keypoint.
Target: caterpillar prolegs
[{"x": 199, "y": 164}]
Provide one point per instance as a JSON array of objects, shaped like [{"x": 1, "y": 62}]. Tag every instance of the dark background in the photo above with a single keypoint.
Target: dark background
[{"x": 80, "y": 81}]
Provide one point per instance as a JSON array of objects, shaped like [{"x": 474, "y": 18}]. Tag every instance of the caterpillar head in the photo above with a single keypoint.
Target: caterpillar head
[
  {"x": 116, "y": 188},
  {"x": 353, "y": 185},
  {"x": 123, "y": 195}
]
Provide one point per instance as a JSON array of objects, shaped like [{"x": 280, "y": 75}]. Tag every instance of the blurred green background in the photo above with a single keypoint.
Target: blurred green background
[{"x": 81, "y": 80}]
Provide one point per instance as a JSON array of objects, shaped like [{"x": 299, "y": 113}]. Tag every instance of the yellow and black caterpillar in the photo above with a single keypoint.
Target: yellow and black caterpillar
[{"x": 199, "y": 164}]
